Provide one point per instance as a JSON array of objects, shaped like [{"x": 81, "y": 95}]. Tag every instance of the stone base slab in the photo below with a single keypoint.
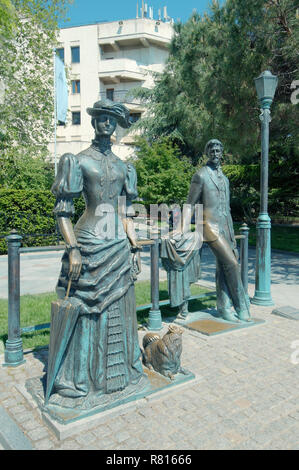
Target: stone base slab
[
  {"x": 209, "y": 324},
  {"x": 64, "y": 425}
]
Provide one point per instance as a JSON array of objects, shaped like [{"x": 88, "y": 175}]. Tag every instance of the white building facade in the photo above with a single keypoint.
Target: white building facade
[{"x": 107, "y": 60}]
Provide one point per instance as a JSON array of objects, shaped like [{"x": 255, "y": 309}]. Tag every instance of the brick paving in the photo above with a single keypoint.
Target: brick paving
[{"x": 248, "y": 397}]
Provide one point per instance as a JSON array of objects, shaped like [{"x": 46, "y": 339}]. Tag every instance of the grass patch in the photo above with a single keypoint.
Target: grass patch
[
  {"x": 282, "y": 238},
  {"x": 36, "y": 309},
  {"x": 142, "y": 290}
]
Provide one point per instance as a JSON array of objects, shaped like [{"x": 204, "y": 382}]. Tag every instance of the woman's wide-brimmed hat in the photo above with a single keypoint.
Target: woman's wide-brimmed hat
[{"x": 116, "y": 110}]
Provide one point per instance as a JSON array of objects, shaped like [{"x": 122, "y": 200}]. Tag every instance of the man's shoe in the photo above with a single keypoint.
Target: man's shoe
[
  {"x": 229, "y": 316},
  {"x": 183, "y": 313},
  {"x": 244, "y": 316}
]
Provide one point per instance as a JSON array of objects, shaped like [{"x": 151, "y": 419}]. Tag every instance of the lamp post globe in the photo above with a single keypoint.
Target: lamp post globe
[{"x": 266, "y": 85}]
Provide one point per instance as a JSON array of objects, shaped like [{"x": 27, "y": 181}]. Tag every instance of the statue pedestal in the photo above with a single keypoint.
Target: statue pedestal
[
  {"x": 65, "y": 422},
  {"x": 210, "y": 324}
]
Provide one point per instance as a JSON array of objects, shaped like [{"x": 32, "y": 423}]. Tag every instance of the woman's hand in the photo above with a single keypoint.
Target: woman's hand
[
  {"x": 75, "y": 264},
  {"x": 130, "y": 231}
]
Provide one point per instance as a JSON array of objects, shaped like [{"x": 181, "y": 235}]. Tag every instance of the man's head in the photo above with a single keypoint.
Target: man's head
[{"x": 214, "y": 151}]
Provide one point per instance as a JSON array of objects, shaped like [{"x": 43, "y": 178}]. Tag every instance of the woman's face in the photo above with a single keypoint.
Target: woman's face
[{"x": 105, "y": 125}]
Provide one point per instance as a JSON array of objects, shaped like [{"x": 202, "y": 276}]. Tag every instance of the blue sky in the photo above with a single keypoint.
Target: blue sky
[{"x": 92, "y": 11}]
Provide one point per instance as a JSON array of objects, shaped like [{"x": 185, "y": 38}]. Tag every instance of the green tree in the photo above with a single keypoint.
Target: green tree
[
  {"x": 25, "y": 172},
  {"x": 163, "y": 174},
  {"x": 28, "y": 36},
  {"x": 207, "y": 88},
  {"x": 7, "y": 19}
]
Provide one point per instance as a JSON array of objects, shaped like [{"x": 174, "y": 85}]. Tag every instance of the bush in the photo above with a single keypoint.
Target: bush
[
  {"x": 163, "y": 174},
  {"x": 30, "y": 212},
  {"x": 245, "y": 190}
]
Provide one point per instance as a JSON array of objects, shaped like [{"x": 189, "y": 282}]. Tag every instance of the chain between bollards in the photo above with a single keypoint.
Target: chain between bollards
[{"x": 14, "y": 347}]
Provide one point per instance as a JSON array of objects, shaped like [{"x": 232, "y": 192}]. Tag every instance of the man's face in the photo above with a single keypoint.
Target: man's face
[
  {"x": 215, "y": 154},
  {"x": 105, "y": 125}
]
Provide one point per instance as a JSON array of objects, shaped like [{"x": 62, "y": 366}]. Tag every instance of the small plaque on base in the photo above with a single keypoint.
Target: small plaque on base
[
  {"x": 287, "y": 312},
  {"x": 209, "y": 323}
]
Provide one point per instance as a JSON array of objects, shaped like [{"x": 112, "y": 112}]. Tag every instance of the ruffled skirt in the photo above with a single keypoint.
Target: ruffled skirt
[{"x": 103, "y": 354}]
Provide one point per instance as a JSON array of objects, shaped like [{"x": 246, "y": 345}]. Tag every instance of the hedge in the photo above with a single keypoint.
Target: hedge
[
  {"x": 283, "y": 200},
  {"x": 30, "y": 212}
]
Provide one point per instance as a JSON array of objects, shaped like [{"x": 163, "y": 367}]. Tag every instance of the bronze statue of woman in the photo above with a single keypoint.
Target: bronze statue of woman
[{"x": 103, "y": 353}]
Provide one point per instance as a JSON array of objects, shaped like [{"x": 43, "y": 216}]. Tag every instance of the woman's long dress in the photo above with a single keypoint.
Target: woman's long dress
[{"x": 103, "y": 355}]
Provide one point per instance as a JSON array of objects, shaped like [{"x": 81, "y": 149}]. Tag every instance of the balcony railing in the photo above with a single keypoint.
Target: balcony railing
[
  {"x": 122, "y": 68},
  {"x": 130, "y": 29}
]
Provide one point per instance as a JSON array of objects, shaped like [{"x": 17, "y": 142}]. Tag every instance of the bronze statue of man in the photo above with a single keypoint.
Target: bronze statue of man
[{"x": 210, "y": 187}]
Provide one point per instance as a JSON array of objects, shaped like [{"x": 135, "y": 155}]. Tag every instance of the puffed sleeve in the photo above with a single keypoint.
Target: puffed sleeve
[
  {"x": 67, "y": 185},
  {"x": 130, "y": 188}
]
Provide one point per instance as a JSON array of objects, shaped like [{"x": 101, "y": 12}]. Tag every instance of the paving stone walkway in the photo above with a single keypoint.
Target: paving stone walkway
[{"x": 247, "y": 398}]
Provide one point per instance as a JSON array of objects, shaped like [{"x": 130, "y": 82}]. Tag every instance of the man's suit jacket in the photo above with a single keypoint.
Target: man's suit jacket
[{"x": 205, "y": 190}]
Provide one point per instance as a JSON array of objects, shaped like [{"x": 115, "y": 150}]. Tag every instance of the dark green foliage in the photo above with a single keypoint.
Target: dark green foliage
[
  {"x": 207, "y": 89},
  {"x": 244, "y": 189},
  {"x": 163, "y": 174},
  {"x": 283, "y": 185},
  {"x": 30, "y": 212},
  {"x": 284, "y": 180},
  {"x": 25, "y": 172}
]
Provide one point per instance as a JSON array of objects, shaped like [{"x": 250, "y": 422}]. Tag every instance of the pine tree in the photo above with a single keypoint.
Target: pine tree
[{"x": 207, "y": 89}]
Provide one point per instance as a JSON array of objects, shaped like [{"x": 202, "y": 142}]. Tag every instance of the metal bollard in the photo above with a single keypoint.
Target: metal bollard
[
  {"x": 155, "y": 318},
  {"x": 13, "y": 353},
  {"x": 244, "y": 256}
]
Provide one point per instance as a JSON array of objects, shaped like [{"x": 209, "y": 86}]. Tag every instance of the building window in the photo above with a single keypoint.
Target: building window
[
  {"x": 75, "y": 86},
  {"x": 134, "y": 117},
  {"x": 75, "y": 54},
  {"x": 110, "y": 94},
  {"x": 60, "y": 53},
  {"x": 76, "y": 118}
]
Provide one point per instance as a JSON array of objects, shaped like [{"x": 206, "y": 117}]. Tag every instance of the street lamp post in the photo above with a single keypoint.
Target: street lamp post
[{"x": 266, "y": 85}]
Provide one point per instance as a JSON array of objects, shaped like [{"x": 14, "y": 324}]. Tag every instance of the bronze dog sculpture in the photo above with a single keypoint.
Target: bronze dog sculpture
[{"x": 164, "y": 354}]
